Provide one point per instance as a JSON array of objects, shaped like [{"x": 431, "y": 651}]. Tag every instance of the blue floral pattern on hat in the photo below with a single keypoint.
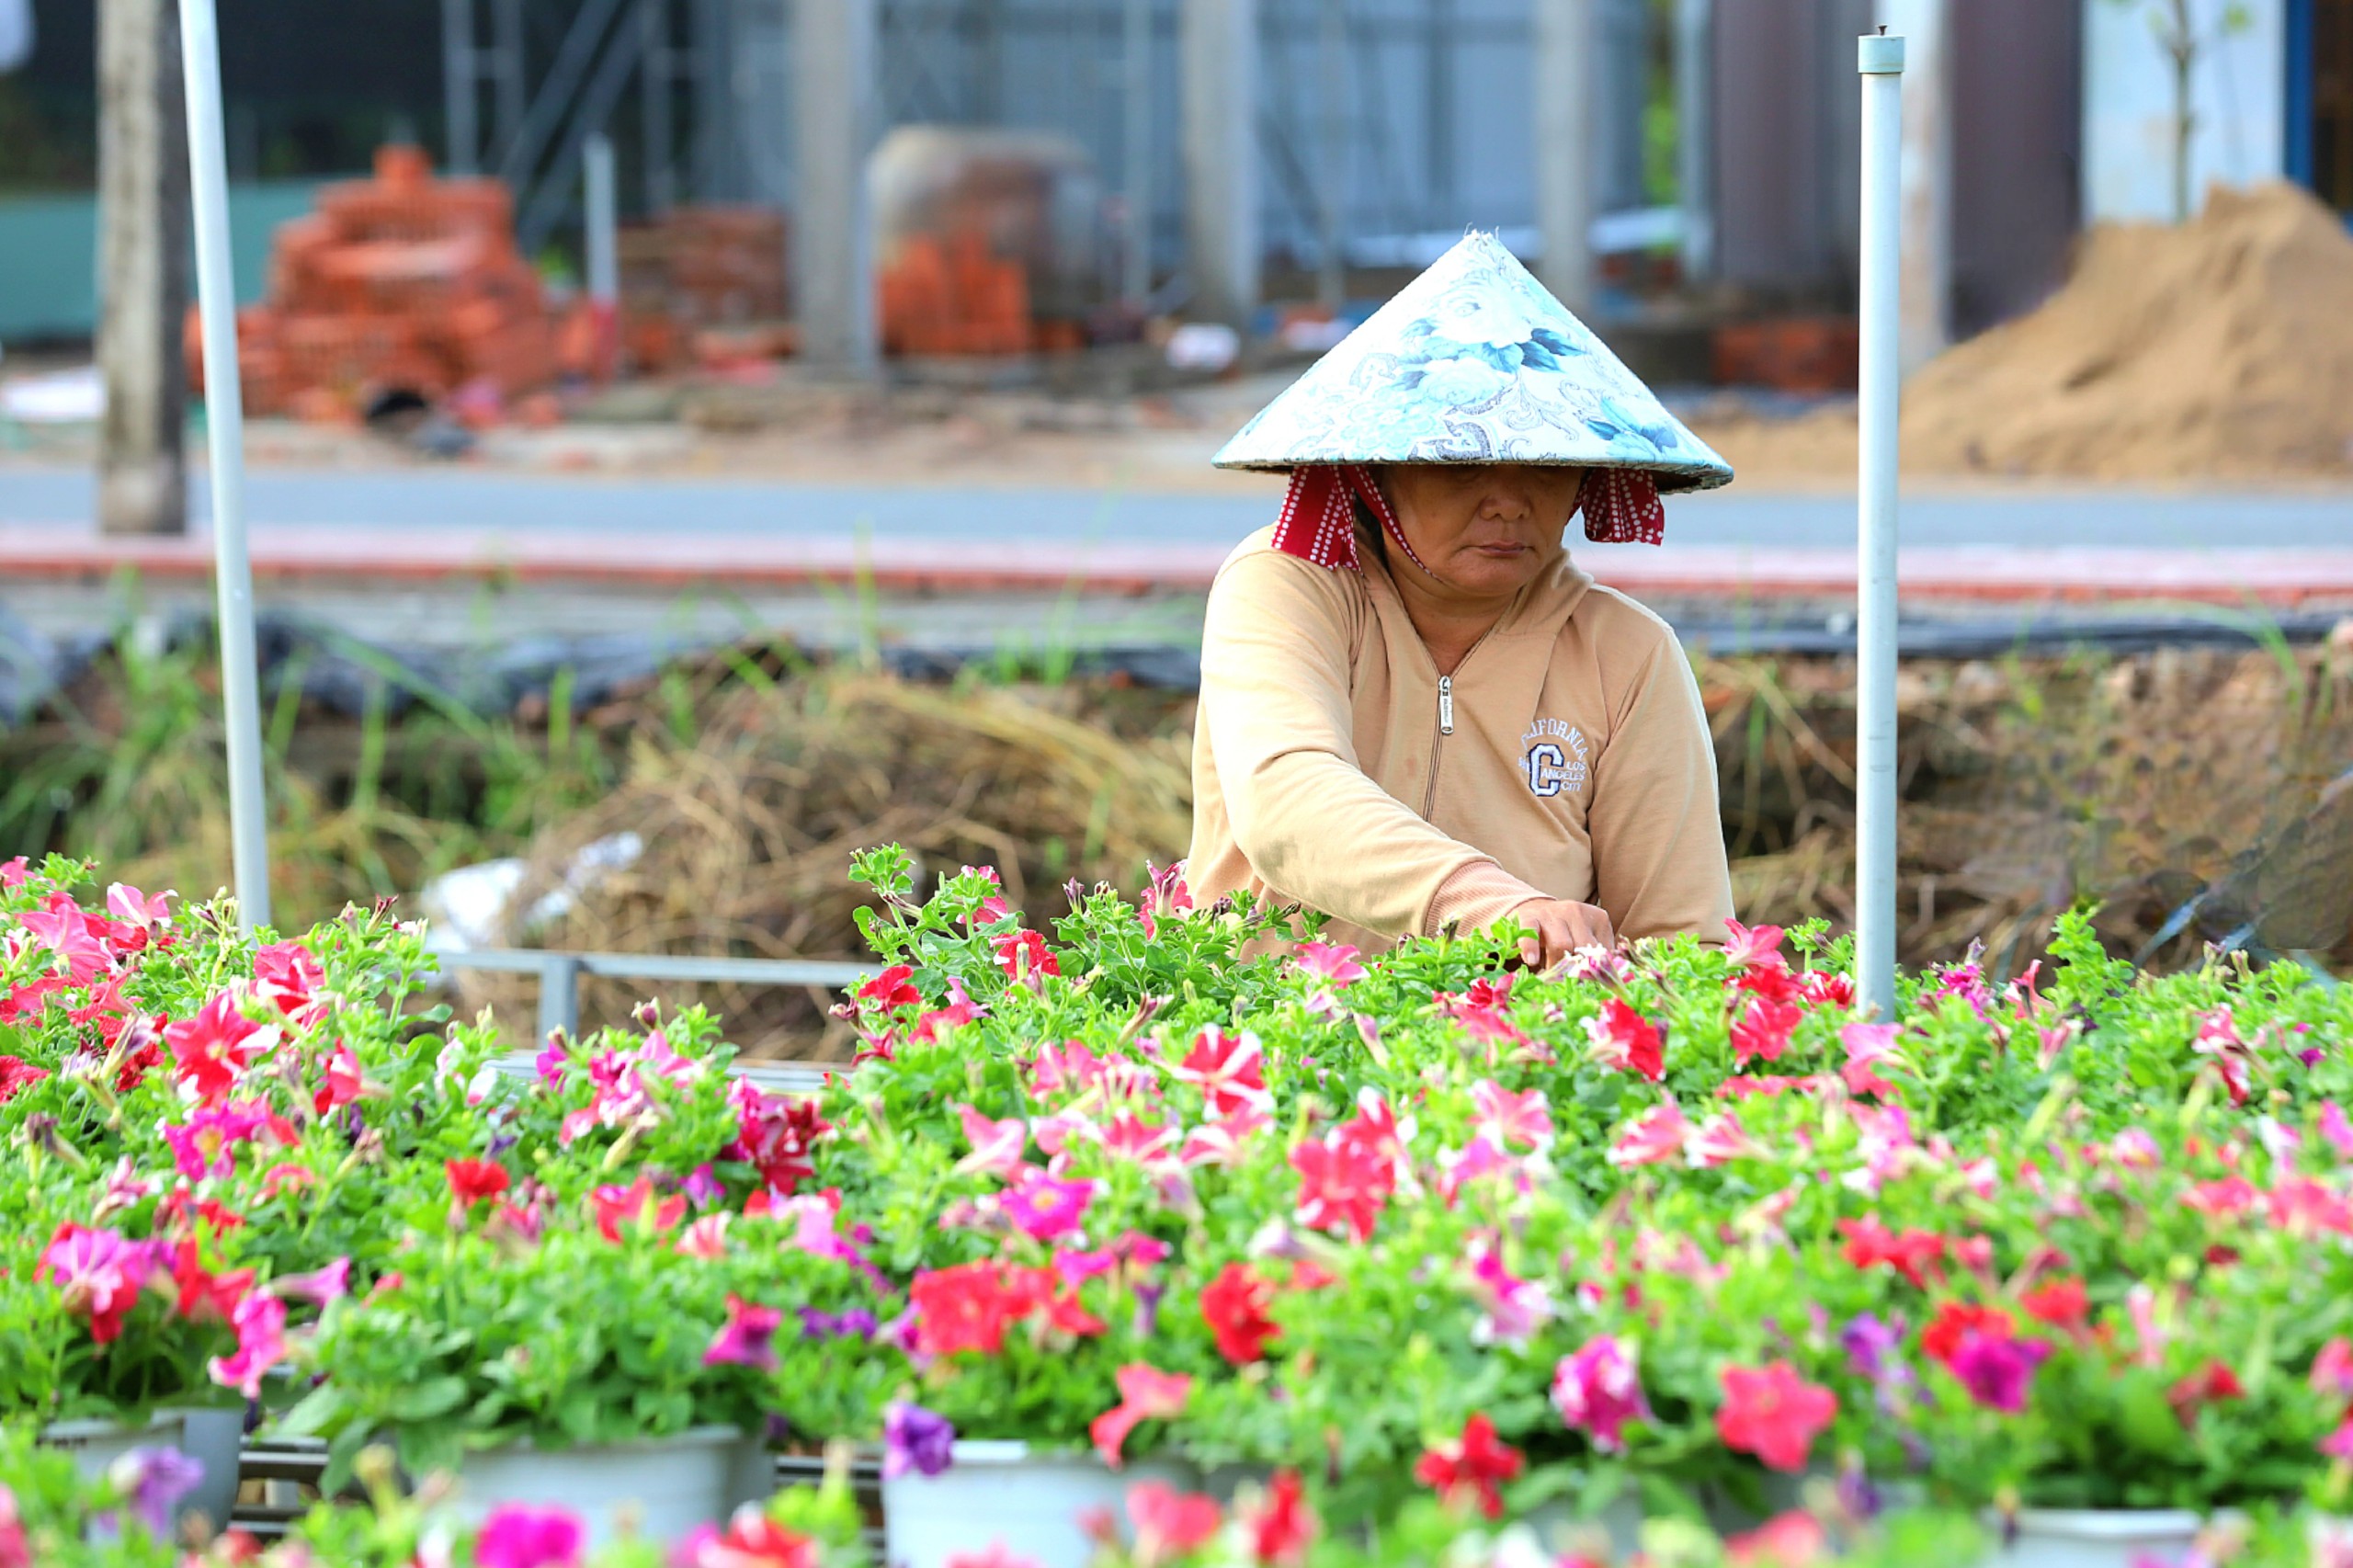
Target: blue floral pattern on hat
[{"x": 1474, "y": 361}]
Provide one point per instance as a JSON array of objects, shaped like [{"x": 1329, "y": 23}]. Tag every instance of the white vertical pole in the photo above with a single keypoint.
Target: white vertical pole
[
  {"x": 600, "y": 205},
  {"x": 216, "y": 285},
  {"x": 1879, "y": 59},
  {"x": 836, "y": 49},
  {"x": 1217, "y": 44}
]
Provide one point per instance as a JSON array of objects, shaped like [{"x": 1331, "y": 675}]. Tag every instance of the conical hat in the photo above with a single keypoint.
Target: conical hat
[{"x": 1474, "y": 361}]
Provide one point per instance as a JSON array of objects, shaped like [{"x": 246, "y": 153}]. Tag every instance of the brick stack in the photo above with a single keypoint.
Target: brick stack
[
  {"x": 698, "y": 272},
  {"x": 949, "y": 295},
  {"x": 1794, "y": 354},
  {"x": 399, "y": 281}
]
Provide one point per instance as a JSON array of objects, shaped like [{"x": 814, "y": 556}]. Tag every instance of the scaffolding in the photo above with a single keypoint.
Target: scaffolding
[{"x": 1382, "y": 126}]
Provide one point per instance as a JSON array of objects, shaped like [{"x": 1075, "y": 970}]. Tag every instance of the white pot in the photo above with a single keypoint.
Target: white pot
[
  {"x": 1619, "y": 1522},
  {"x": 97, "y": 1443},
  {"x": 1008, "y": 1494},
  {"x": 665, "y": 1486},
  {"x": 2095, "y": 1537},
  {"x": 215, "y": 1438}
]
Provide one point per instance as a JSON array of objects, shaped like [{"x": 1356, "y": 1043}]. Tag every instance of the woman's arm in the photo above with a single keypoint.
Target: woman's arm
[
  {"x": 1275, "y": 652},
  {"x": 1658, "y": 839}
]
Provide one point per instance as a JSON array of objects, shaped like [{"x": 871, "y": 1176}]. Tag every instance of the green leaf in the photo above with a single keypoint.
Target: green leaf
[{"x": 423, "y": 1402}]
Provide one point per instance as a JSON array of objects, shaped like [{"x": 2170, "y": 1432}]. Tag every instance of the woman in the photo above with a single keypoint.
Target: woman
[{"x": 1416, "y": 712}]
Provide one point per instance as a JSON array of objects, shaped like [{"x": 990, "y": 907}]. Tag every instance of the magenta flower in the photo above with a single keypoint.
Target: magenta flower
[
  {"x": 519, "y": 1537},
  {"x": 1598, "y": 1390},
  {"x": 1516, "y": 1308},
  {"x": 260, "y": 1322},
  {"x": 1995, "y": 1368},
  {"x": 98, "y": 1274},
  {"x": 205, "y": 1146},
  {"x": 1046, "y": 1207},
  {"x": 319, "y": 1287},
  {"x": 747, "y": 1337}
]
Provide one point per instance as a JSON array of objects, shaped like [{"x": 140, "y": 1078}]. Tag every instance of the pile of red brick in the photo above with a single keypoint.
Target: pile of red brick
[
  {"x": 402, "y": 281},
  {"x": 701, "y": 283},
  {"x": 949, "y": 295},
  {"x": 1794, "y": 354}
]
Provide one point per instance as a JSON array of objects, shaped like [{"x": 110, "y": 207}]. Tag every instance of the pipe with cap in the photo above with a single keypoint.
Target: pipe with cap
[
  {"x": 1880, "y": 61},
  {"x": 224, "y": 421}
]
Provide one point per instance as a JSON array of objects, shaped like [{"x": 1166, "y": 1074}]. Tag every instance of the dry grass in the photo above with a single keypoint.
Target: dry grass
[{"x": 749, "y": 828}]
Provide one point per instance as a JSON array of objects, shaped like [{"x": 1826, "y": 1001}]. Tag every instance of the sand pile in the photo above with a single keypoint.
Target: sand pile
[{"x": 2222, "y": 347}]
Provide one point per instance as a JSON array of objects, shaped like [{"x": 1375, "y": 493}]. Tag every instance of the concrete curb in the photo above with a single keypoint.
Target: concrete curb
[{"x": 52, "y": 554}]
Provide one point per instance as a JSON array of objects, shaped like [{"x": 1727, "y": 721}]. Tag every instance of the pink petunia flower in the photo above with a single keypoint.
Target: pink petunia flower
[
  {"x": 1228, "y": 1070},
  {"x": 260, "y": 1323},
  {"x": 1145, "y": 1393},
  {"x": 1658, "y": 1137},
  {"x": 1867, "y": 1046},
  {"x": 996, "y": 1145},
  {"x": 1509, "y": 1117},
  {"x": 1332, "y": 964},
  {"x": 319, "y": 1287},
  {"x": 1773, "y": 1413}
]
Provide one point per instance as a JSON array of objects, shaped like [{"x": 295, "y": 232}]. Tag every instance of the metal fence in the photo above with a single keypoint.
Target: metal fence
[{"x": 560, "y": 975}]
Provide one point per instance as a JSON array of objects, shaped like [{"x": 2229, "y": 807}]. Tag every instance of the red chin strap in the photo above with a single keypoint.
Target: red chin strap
[{"x": 1621, "y": 506}]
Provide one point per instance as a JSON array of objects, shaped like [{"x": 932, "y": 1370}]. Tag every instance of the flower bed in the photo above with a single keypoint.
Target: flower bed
[{"x": 1675, "y": 1230}]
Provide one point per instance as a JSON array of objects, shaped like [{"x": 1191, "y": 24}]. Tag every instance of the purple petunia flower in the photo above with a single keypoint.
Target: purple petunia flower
[
  {"x": 854, "y": 1324},
  {"x": 1871, "y": 1343},
  {"x": 158, "y": 1479},
  {"x": 915, "y": 1441}
]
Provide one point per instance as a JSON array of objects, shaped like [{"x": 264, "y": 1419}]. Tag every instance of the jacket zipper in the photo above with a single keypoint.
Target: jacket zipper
[{"x": 1437, "y": 740}]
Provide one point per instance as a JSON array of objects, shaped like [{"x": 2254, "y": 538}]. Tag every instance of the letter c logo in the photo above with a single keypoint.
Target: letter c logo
[{"x": 1547, "y": 769}]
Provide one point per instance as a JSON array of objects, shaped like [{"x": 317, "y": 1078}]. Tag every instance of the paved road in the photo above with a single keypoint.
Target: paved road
[{"x": 541, "y": 506}]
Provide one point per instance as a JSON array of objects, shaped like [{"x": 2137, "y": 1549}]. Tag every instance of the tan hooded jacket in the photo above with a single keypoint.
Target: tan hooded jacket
[{"x": 1567, "y": 758}]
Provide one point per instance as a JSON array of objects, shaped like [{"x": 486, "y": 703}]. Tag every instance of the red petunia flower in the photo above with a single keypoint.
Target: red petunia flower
[
  {"x": 1954, "y": 1319},
  {"x": 1469, "y": 1467},
  {"x": 1235, "y": 1306},
  {"x": 470, "y": 1181}
]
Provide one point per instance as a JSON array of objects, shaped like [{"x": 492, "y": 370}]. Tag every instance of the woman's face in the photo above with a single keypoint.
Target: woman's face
[{"x": 1484, "y": 529}]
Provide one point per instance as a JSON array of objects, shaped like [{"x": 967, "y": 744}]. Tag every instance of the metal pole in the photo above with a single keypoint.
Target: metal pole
[
  {"x": 835, "y": 56},
  {"x": 216, "y": 286},
  {"x": 1695, "y": 102},
  {"x": 459, "y": 102},
  {"x": 1562, "y": 36},
  {"x": 1136, "y": 40},
  {"x": 1332, "y": 132},
  {"x": 1879, "y": 59},
  {"x": 603, "y": 246},
  {"x": 659, "y": 82}
]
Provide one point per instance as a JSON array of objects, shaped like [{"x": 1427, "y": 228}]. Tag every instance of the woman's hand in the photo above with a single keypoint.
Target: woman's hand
[{"x": 1562, "y": 926}]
